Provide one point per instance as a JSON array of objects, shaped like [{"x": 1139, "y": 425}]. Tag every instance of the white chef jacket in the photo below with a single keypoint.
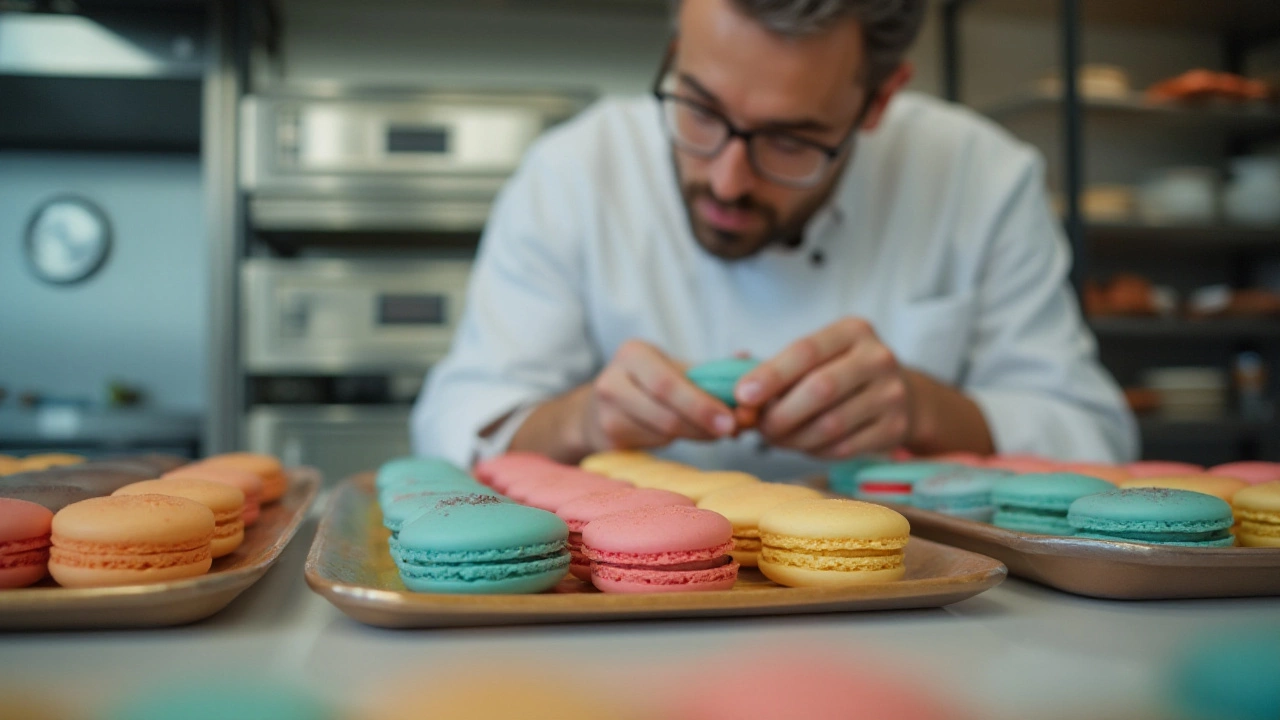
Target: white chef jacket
[{"x": 939, "y": 233}]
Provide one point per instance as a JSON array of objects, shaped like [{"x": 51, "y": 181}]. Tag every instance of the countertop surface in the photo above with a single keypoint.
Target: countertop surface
[{"x": 1019, "y": 650}]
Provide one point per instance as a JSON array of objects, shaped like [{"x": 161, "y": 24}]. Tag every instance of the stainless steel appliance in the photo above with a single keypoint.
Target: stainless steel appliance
[{"x": 356, "y": 200}]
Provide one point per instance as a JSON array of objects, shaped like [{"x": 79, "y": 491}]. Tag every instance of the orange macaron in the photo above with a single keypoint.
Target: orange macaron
[
  {"x": 130, "y": 539},
  {"x": 275, "y": 482},
  {"x": 242, "y": 480},
  {"x": 225, "y": 502}
]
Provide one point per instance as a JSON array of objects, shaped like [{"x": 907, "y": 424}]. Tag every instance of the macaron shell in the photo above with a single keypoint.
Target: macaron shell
[
  {"x": 163, "y": 568},
  {"x": 851, "y": 523},
  {"x": 275, "y": 481},
  {"x": 698, "y": 484},
  {"x": 660, "y": 530},
  {"x": 245, "y": 482},
  {"x": 832, "y": 543},
  {"x": 21, "y": 520},
  {"x": 226, "y": 503},
  {"x": 719, "y": 378},
  {"x": 612, "y": 579},
  {"x": 580, "y": 511},
  {"x": 1253, "y": 472},
  {"x": 1219, "y": 486},
  {"x": 794, "y": 576},
  {"x": 1045, "y": 491},
  {"x": 1257, "y": 508},
  {"x": 1153, "y": 515},
  {"x": 569, "y": 485},
  {"x": 608, "y": 460}
]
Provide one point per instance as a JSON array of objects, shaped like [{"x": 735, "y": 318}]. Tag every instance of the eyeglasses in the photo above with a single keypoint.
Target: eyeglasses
[{"x": 776, "y": 156}]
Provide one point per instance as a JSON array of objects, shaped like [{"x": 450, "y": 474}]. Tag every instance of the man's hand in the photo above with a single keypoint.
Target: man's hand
[
  {"x": 834, "y": 394},
  {"x": 642, "y": 399}
]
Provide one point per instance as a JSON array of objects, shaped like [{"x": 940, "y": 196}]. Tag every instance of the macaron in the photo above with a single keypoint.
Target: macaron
[
  {"x": 503, "y": 472},
  {"x": 1257, "y": 508},
  {"x": 1038, "y": 502},
  {"x": 44, "y": 461},
  {"x": 482, "y": 546},
  {"x": 578, "y": 512},
  {"x": 275, "y": 481},
  {"x": 1218, "y": 486},
  {"x": 1157, "y": 516},
  {"x": 698, "y": 484},
  {"x": 842, "y": 476},
  {"x": 966, "y": 459},
  {"x": 1113, "y": 474},
  {"x": 895, "y": 482},
  {"x": 52, "y": 495},
  {"x": 9, "y": 465},
  {"x": 743, "y": 505},
  {"x": 661, "y": 549},
  {"x": 606, "y": 461},
  {"x": 245, "y": 482},
  {"x": 24, "y": 542},
  {"x": 224, "y": 501},
  {"x": 567, "y": 486},
  {"x": 1022, "y": 463},
  {"x": 1222, "y": 672},
  {"x": 408, "y": 506},
  {"x": 1161, "y": 468},
  {"x": 833, "y": 543},
  {"x": 650, "y": 474},
  {"x": 130, "y": 539},
  {"x": 962, "y": 493},
  {"x": 719, "y": 378},
  {"x": 420, "y": 471},
  {"x": 1253, "y": 472}
]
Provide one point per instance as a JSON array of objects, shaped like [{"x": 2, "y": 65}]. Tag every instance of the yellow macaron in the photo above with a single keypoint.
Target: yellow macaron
[
  {"x": 604, "y": 463},
  {"x": 44, "y": 461},
  {"x": 1257, "y": 509},
  {"x": 1218, "y": 486},
  {"x": 696, "y": 484},
  {"x": 744, "y": 504},
  {"x": 832, "y": 543}
]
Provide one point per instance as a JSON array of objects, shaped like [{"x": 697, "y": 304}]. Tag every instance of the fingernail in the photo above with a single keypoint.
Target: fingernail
[
  {"x": 724, "y": 424},
  {"x": 750, "y": 392}
]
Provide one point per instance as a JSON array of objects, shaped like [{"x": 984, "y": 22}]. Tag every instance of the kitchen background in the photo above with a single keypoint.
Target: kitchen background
[{"x": 209, "y": 136}]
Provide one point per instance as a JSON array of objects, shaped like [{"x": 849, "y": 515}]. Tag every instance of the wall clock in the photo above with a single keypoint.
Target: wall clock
[{"x": 68, "y": 240}]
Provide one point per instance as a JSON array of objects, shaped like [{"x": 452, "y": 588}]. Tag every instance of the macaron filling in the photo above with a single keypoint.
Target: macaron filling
[
  {"x": 833, "y": 555},
  {"x": 656, "y": 560},
  {"x": 885, "y": 488},
  {"x": 478, "y": 571},
  {"x": 1260, "y": 523}
]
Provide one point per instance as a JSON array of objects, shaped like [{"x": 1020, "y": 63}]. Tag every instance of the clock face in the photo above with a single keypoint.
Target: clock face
[{"x": 68, "y": 240}]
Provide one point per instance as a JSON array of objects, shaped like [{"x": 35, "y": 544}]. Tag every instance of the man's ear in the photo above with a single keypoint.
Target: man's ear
[{"x": 885, "y": 93}]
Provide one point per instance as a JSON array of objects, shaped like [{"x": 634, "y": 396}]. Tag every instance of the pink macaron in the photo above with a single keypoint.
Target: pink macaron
[
  {"x": 571, "y": 484},
  {"x": 1254, "y": 472},
  {"x": 497, "y": 472},
  {"x": 670, "y": 548},
  {"x": 1161, "y": 468},
  {"x": 246, "y": 482},
  {"x": 1022, "y": 463},
  {"x": 24, "y": 542},
  {"x": 578, "y": 512},
  {"x": 967, "y": 459}
]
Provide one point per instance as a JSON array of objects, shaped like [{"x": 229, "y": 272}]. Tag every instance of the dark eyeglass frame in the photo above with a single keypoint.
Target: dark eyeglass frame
[{"x": 832, "y": 152}]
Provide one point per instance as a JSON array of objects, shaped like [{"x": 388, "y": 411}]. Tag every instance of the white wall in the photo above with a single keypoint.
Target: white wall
[{"x": 142, "y": 318}]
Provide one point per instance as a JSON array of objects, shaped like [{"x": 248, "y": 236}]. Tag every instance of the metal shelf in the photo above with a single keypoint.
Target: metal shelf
[
  {"x": 1253, "y": 21},
  {"x": 1260, "y": 119},
  {"x": 1109, "y": 237},
  {"x": 1222, "y": 328}
]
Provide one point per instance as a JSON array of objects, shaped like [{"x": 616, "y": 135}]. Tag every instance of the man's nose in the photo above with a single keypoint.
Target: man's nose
[{"x": 732, "y": 176}]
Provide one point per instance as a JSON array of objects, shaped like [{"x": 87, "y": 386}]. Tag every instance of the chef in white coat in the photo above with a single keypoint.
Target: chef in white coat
[{"x": 892, "y": 259}]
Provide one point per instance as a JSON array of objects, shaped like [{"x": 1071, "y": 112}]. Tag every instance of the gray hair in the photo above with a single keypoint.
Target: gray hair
[{"x": 888, "y": 26}]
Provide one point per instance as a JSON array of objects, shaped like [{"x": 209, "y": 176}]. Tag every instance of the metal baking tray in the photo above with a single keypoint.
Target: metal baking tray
[
  {"x": 349, "y": 565},
  {"x": 1107, "y": 569},
  {"x": 46, "y": 606}
]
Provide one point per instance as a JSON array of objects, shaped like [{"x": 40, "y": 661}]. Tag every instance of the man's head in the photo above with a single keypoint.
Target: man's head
[{"x": 801, "y": 76}]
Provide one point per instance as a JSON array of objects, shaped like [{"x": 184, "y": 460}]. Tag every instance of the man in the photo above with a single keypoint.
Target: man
[{"x": 891, "y": 259}]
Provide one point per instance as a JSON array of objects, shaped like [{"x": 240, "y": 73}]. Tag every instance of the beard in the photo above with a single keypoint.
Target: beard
[{"x": 773, "y": 228}]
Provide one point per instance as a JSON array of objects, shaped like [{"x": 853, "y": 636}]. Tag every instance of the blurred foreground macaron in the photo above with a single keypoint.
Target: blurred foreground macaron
[
  {"x": 1257, "y": 509},
  {"x": 1253, "y": 472},
  {"x": 24, "y": 542},
  {"x": 1230, "y": 673},
  {"x": 130, "y": 539},
  {"x": 660, "y": 549},
  {"x": 9, "y": 465},
  {"x": 222, "y": 699},
  {"x": 275, "y": 481},
  {"x": 719, "y": 378},
  {"x": 245, "y": 482},
  {"x": 832, "y": 543},
  {"x": 1156, "y": 516},
  {"x": 224, "y": 501},
  {"x": 1218, "y": 486},
  {"x": 482, "y": 545},
  {"x": 743, "y": 505},
  {"x": 1038, "y": 502}
]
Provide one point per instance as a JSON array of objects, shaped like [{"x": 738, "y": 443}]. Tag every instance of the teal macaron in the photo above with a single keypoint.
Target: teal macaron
[
  {"x": 482, "y": 545},
  {"x": 895, "y": 482},
  {"x": 718, "y": 378},
  {"x": 1159, "y": 516},
  {"x": 421, "y": 470},
  {"x": 403, "y": 508},
  {"x": 842, "y": 475},
  {"x": 964, "y": 492},
  {"x": 1226, "y": 672},
  {"x": 1038, "y": 502}
]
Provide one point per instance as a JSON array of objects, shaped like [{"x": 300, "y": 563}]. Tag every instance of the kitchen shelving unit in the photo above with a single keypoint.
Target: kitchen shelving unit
[{"x": 1241, "y": 27}]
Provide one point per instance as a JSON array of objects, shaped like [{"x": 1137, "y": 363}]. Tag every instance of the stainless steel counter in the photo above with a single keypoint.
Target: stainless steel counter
[{"x": 1018, "y": 651}]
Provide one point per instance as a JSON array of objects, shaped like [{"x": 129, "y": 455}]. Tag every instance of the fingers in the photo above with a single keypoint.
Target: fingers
[
  {"x": 620, "y": 394},
  {"x": 774, "y": 376},
  {"x": 827, "y": 386},
  {"x": 881, "y": 435},
  {"x": 664, "y": 382},
  {"x": 873, "y": 415}
]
